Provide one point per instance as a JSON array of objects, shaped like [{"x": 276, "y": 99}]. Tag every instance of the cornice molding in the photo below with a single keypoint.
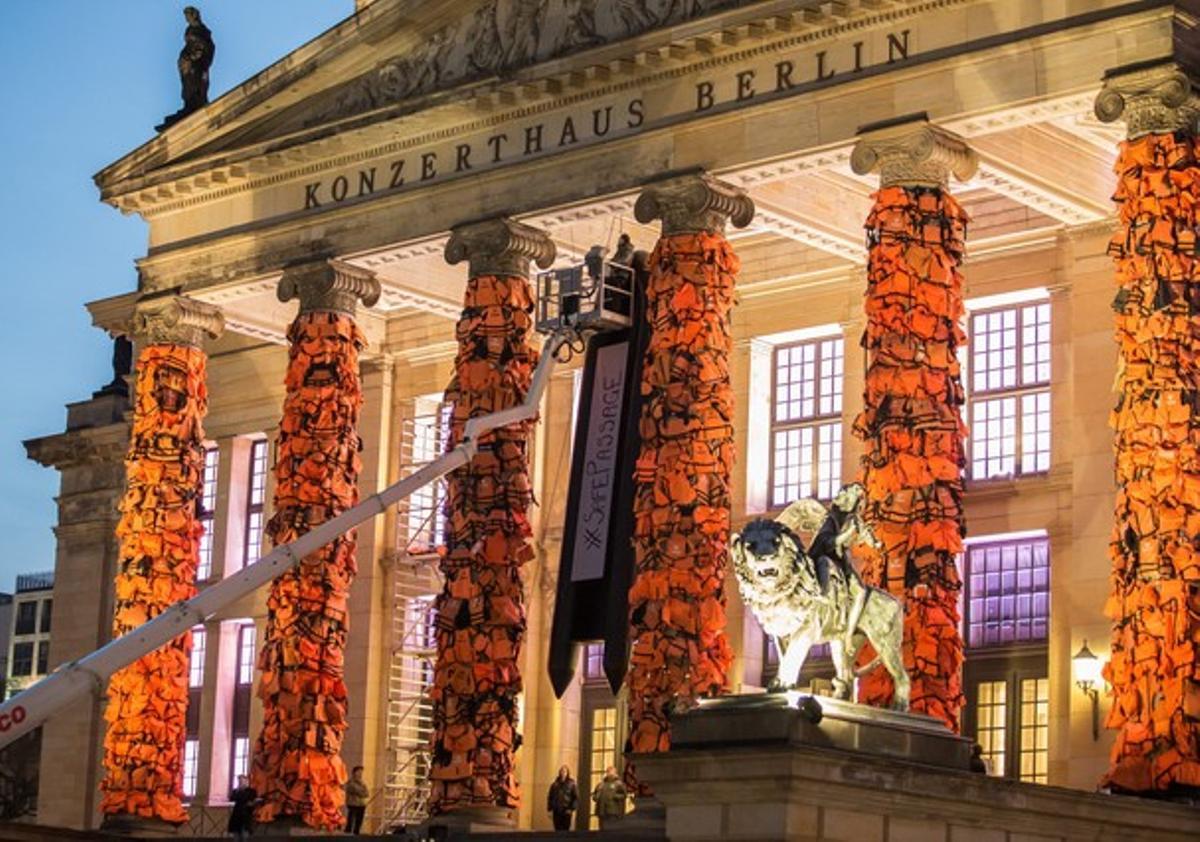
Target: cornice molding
[
  {"x": 657, "y": 54},
  {"x": 79, "y": 447}
]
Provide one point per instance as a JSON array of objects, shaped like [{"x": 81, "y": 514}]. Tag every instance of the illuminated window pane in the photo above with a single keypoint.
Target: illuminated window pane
[
  {"x": 428, "y": 436},
  {"x": 1009, "y": 352},
  {"x": 603, "y": 752},
  {"x": 1007, "y": 592},
  {"x": 1035, "y": 432},
  {"x": 993, "y": 437},
  {"x": 257, "y": 497},
  {"x": 208, "y": 507},
  {"x": 991, "y": 716},
  {"x": 246, "y": 654},
  {"x": 196, "y": 659},
  {"x": 191, "y": 766},
  {"x": 806, "y": 435},
  {"x": 1035, "y": 729},
  {"x": 593, "y": 662},
  {"x": 241, "y": 757}
]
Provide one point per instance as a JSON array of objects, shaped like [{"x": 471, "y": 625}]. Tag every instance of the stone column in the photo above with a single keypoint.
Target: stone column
[
  {"x": 684, "y": 470},
  {"x": 159, "y": 535},
  {"x": 480, "y": 611},
  {"x": 367, "y": 650},
  {"x": 1154, "y": 671},
  {"x": 911, "y": 424},
  {"x": 297, "y": 766},
  {"x": 88, "y": 455}
]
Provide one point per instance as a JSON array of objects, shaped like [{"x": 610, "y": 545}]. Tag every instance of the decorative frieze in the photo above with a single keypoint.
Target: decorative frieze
[
  {"x": 912, "y": 152},
  {"x": 694, "y": 203},
  {"x": 330, "y": 286},
  {"x": 172, "y": 319},
  {"x": 499, "y": 247},
  {"x": 1157, "y": 99}
]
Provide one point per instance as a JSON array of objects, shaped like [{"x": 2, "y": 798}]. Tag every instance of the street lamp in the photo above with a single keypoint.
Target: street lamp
[{"x": 1086, "y": 667}]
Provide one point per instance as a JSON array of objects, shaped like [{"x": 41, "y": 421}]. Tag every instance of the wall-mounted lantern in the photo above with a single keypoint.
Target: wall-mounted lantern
[{"x": 1086, "y": 667}]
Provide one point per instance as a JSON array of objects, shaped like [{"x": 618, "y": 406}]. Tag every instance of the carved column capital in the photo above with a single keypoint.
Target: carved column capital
[
  {"x": 169, "y": 318},
  {"x": 694, "y": 202},
  {"x": 499, "y": 246},
  {"x": 1158, "y": 99},
  {"x": 912, "y": 152},
  {"x": 329, "y": 285}
]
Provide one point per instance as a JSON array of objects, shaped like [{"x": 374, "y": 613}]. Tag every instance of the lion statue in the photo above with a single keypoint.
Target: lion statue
[{"x": 806, "y": 597}]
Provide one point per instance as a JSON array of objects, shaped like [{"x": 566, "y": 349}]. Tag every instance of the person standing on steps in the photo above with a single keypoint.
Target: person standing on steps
[
  {"x": 563, "y": 799},
  {"x": 357, "y": 795},
  {"x": 609, "y": 797},
  {"x": 241, "y": 817}
]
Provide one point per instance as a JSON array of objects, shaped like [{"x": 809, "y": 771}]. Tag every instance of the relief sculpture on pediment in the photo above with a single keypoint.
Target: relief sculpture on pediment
[{"x": 500, "y": 37}]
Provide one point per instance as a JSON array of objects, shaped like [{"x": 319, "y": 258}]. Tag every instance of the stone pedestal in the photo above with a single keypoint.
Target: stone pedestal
[
  {"x": 136, "y": 827},
  {"x": 759, "y": 768},
  {"x": 821, "y": 722},
  {"x": 469, "y": 821}
]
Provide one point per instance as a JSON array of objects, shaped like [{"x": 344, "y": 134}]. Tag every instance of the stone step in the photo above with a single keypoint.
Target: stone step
[{"x": 21, "y": 832}]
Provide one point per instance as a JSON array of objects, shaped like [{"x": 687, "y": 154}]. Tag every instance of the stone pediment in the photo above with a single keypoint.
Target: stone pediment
[
  {"x": 495, "y": 39},
  {"x": 394, "y": 57}
]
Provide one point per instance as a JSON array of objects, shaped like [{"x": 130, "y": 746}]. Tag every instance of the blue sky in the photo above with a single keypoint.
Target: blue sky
[{"x": 84, "y": 83}]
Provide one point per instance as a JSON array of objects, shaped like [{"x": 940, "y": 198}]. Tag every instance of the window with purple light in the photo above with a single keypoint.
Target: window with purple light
[
  {"x": 593, "y": 662},
  {"x": 806, "y": 420},
  {"x": 1007, "y": 593}
]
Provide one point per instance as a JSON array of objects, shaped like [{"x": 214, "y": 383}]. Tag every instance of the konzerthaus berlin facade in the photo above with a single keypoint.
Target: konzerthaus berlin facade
[{"x": 413, "y": 119}]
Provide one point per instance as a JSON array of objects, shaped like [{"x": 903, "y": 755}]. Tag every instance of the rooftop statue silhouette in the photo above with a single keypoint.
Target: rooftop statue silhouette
[{"x": 195, "y": 59}]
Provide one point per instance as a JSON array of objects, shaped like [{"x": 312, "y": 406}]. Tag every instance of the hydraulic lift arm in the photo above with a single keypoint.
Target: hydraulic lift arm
[{"x": 78, "y": 679}]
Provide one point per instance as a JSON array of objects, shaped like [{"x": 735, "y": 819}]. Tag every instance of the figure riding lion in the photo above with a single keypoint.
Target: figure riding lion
[{"x": 806, "y": 597}]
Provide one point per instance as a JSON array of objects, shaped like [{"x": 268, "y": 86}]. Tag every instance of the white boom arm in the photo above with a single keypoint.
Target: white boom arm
[{"x": 78, "y": 679}]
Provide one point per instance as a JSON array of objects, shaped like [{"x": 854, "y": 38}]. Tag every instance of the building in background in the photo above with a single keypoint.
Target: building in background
[
  {"x": 29, "y": 642},
  {"x": 370, "y": 143},
  {"x": 6, "y": 602}
]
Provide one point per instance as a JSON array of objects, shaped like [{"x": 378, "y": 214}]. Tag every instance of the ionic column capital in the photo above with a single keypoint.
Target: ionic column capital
[
  {"x": 172, "y": 319},
  {"x": 1159, "y": 99},
  {"x": 499, "y": 246},
  {"x": 912, "y": 152},
  {"x": 329, "y": 285},
  {"x": 694, "y": 202}
]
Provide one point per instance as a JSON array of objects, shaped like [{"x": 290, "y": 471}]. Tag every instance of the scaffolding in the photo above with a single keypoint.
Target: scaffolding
[{"x": 415, "y": 581}]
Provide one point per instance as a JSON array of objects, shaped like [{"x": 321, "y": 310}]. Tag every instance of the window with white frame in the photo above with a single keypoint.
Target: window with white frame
[
  {"x": 1006, "y": 618},
  {"x": 593, "y": 662},
  {"x": 427, "y": 438},
  {"x": 207, "y": 511},
  {"x": 246, "y": 653},
  {"x": 239, "y": 757},
  {"x": 806, "y": 420},
  {"x": 196, "y": 659},
  {"x": 191, "y": 767},
  {"x": 1009, "y": 386},
  {"x": 255, "y": 501},
  {"x": 1007, "y": 592}
]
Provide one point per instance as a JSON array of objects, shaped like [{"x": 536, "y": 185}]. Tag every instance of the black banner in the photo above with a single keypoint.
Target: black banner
[{"x": 596, "y": 567}]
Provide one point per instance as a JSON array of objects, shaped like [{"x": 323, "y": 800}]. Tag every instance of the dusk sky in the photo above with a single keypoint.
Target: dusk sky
[{"x": 85, "y": 83}]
